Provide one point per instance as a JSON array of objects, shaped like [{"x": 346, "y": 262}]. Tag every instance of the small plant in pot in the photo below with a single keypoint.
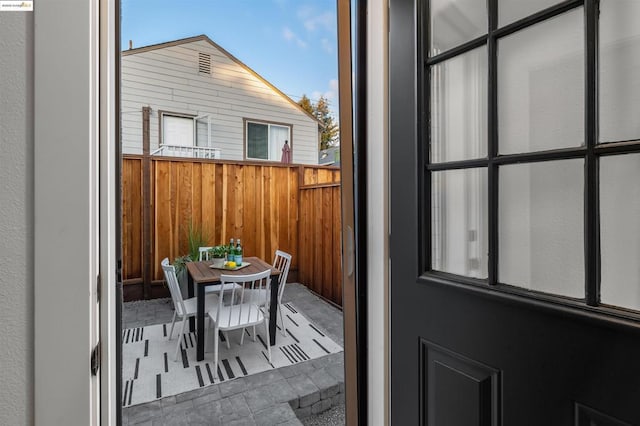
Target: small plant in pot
[{"x": 217, "y": 255}]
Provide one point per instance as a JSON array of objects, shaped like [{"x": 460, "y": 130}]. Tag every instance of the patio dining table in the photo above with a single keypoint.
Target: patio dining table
[{"x": 200, "y": 275}]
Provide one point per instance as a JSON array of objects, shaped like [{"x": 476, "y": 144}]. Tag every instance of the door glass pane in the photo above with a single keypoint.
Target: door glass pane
[
  {"x": 619, "y": 70},
  {"x": 511, "y": 10},
  {"x": 454, "y": 22},
  {"x": 459, "y": 107},
  {"x": 620, "y": 230},
  {"x": 541, "y": 86},
  {"x": 541, "y": 227},
  {"x": 459, "y": 222},
  {"x": 257, "y": 141}
]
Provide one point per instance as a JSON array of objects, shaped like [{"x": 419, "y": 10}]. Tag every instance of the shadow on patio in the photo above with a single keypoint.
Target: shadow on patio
[{"x": 283, "y": 395}]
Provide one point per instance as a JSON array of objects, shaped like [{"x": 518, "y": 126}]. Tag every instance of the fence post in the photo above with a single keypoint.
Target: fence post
[{"x": 147, "y": 271}]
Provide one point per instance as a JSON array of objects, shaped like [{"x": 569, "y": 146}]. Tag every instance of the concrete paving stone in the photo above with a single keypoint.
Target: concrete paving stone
[
  {"x": 337, "y": 399},
  {"x": 142, "y": 412},
  {"x": 282, "y": 391},
  {"x": 178, "y": 407},
  {"x": 233, "y": 387},
  {"x": 203, "y": 415},
  {"x": 239, "y": 405},
  {"x": 144, "y": 314},
  {"x": 178, "y": 418},
  {"x": 223, "y": 406},
  {"x": 259, "y": 398},
  {"x": 294, "y": 403},
  {"x": 307, "y": 391},
  {"x": 274, "y": 415},
  {"x": 266, "y": 377},
  {"x": 322, "y": 362},
  {"x": 330, "y": 392},
  {"x": 297, "y": 369},
  {"x": 158, "y": 421},
  {"x": 327, "y": 384},
  {"x": 196, "y": 393},
  {"x": 337, "y": 371},
  {"x": 169, "y": 400},
  {"x": 144, "y": 423},
  {"x": 321, "y": 406},
  {"x": 204, "y": 399},
  {"x": 244, "y": 421},
  {"x": 303, "y": 412}
]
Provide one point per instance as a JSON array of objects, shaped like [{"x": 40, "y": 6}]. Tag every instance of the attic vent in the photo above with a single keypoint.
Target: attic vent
[{"x": 204, "y": 63}]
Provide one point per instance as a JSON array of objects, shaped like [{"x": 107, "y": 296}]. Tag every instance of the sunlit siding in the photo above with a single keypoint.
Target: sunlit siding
[{"x": 167, "y": 79}]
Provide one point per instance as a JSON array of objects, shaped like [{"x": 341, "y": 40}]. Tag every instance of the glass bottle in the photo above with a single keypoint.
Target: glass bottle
[
  {"x": 238, "y": 257},
  {"x": 231, "y": 251}
]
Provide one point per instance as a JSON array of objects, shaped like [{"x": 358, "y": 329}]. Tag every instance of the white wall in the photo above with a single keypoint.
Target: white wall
[
  {"x": 167, "y": 79},
  {"x": 16, "y": 218}
]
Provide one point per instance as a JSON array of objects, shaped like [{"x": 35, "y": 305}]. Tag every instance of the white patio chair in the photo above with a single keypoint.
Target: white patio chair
[
  {"x": 281, "y": 262},
  {"x": 183, "y": 308},
  {"x": 242, "y": 312}
]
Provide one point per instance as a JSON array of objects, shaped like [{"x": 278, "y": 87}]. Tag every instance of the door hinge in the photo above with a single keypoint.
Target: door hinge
[
  {"x": 98, "y": 288},
  {"x": 95, "y": 360}
]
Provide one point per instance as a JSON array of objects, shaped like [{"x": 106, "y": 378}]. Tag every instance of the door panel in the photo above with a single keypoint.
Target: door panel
[{"x": 470, "y": 350}]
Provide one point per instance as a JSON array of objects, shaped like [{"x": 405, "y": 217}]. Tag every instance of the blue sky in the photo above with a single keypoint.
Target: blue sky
[{"x": 291, "y": 43}]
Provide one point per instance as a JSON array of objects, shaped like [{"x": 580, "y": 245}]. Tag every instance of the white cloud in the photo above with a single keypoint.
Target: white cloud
[
  {"x": 313, "y": 20},
  {"x": 331, "y": 94},
  {"x": 292, "y": 37},
  {"x": 326, "y": 45},
  {"x": 326, "y": 21}
]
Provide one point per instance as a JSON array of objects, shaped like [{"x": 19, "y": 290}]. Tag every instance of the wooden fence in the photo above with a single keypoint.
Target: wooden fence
[{"x": 295, "y": 208}]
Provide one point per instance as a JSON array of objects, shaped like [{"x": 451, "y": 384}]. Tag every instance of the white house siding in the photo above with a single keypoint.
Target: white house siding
[{"x": 167, "y": 79}]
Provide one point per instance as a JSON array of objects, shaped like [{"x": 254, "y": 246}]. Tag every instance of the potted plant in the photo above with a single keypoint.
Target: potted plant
[{"x": 217, "y": 255}]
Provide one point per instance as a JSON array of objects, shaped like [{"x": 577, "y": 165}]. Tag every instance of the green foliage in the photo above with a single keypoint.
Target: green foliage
[
  {"x": 180, "y": 262},
  {"x": 218, "y": 251},
  {"x": 321, "y": 110},
  {"x": 196, "y": 238}
]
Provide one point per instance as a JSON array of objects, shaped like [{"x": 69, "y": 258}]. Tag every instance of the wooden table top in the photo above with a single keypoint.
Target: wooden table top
[{"x": 201, "y": 272}]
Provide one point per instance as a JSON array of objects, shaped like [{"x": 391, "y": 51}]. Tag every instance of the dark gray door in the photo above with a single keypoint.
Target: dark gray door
[{"x": 515, "y": 206}]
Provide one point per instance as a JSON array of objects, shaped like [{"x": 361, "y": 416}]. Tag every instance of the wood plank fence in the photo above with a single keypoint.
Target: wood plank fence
[{"x": 295, "y": 208}]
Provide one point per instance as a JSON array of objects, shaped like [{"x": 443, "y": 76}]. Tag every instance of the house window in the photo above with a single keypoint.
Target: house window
[
  {"x": 264, "y": 141},
  {"x": 532, "y": 149},
  {"x": 177, "y": 130}
]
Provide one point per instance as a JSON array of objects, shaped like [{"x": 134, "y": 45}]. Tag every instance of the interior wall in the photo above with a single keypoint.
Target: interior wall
[
  {"x": 16, "y": 218},
  {"x": 377, "y": 213}
]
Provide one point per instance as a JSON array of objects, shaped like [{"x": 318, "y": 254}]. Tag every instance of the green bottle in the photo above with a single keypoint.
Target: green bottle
[
  {"x": 231, "y": 252},
  {"x": 238, "y": 253}
]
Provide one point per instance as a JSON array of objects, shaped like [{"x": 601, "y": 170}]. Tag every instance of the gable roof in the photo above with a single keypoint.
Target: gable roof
[{"x": 203, "y": 37}]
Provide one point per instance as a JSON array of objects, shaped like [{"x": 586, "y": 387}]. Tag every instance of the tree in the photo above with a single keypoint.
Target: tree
[{"x": 320, "y": 110}]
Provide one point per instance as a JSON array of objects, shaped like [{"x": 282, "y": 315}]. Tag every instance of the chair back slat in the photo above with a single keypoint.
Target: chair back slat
[
  {"x": 242, "y": 302},
  {"x": 282, "y": 262},
  {"x": 204, "y": 253},
  {"x": 174, "y": 286}
]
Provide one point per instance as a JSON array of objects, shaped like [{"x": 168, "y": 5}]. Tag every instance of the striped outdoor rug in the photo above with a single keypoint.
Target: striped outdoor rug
[{"x": 149, "y": 371}]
